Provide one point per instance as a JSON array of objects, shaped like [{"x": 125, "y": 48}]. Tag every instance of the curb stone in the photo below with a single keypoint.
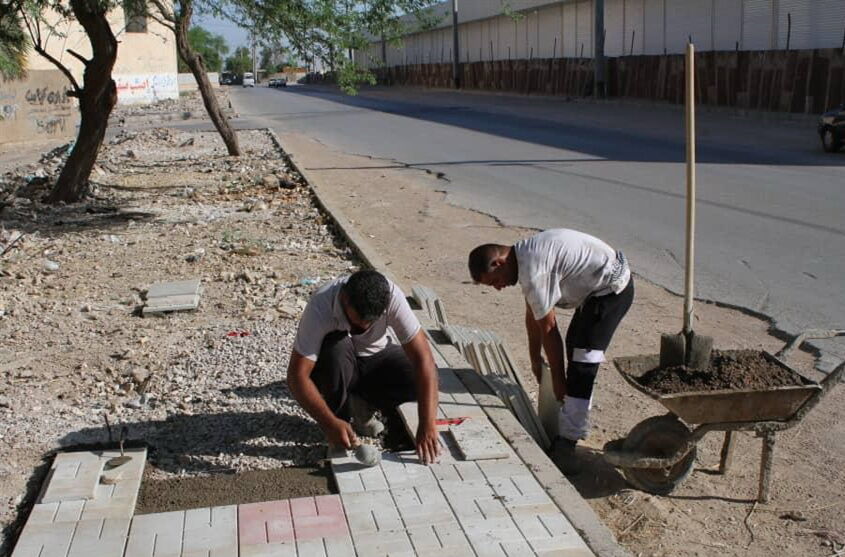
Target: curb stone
[{"x": 579, "y": 513}]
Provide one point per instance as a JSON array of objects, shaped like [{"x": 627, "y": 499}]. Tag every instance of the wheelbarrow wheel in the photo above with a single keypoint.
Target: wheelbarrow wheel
[{"x": 660, "y": 436}]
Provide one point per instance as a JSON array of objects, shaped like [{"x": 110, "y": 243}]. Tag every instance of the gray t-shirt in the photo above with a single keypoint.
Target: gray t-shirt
[
  {"x": 324, "y": 314},
  {"x": 564, "y": 267}
]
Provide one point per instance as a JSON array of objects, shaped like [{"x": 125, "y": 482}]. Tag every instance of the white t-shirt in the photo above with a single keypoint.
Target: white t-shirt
[
  {"x": 324, "y": 314},
  {"x": 564, "y": 267}
]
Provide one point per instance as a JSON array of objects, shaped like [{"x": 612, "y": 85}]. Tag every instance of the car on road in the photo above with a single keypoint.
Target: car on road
[
  {"x": 832, "y": 129},
  {"x": 249, "y": 80},
  {"x": 281, "y": 82}
]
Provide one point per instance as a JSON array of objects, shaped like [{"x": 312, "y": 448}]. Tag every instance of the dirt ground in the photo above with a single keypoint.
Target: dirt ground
[{"x": 424, "y": 239}]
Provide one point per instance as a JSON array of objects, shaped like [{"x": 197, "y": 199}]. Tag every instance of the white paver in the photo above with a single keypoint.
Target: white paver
[
  {"x": 73, "y": 476},
  {"x": 422, "y": 506},
  {"x": 439, "y": 540},
  {"x": 173, "y": 296},
  {"x": 392, "y": 543},
  {"x": 370, "y": 512},
  {"x": 211, "y": 532},
  {"x": 548, "y": 533},
  {"x": 103, "y": 538},
  {"x": 156, "y": 535},
  {"x": 477, "y": 439},
  {"x": 51, "y": 539}
]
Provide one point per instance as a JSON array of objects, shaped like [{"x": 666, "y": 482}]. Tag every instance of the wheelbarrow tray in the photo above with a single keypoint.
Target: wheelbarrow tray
[{"x": 723, "y": 406}]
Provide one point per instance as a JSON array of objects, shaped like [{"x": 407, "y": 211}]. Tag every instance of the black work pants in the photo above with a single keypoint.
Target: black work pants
[{"x": 385, "y": 380}]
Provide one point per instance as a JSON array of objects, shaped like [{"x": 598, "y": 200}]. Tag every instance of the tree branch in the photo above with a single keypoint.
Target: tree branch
[
  {"x": 79, "y": 57},
  {"x": 77, "y": 90},
  {"x": 162, "y": 22},
  {"x": 165, "y": 12}
]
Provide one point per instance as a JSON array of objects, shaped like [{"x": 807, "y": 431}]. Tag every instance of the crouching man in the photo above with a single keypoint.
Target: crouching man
[{"x": 344, "y": 365}]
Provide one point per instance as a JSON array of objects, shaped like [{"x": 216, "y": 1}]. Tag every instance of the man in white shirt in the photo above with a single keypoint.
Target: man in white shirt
[
  {"x": 568, "y": 269},
  {"x": 344, "y": 363}
]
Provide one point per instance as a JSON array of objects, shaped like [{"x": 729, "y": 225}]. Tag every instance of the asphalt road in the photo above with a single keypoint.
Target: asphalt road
[{"x": 770, "y": 235}]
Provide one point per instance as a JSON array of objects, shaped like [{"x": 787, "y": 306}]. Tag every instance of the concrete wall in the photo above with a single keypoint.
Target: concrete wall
[
  {"x": 544, "y": 29},
  {"x": 37, "y": 108},
  {"x": 145, "y": 70},
  {"x": 188, "y": 83}
]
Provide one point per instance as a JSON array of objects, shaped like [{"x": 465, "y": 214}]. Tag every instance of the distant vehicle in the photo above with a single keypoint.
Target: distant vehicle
[
  {"x": 832, "y": 129},
  {"x": 278, "y": 82},
  {"x": 227, "y": 78},
  {"x": 249, "y": 80}
]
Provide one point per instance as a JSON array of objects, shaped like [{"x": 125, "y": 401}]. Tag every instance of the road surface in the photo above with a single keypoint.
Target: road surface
[{"x": 770, "y": 234}]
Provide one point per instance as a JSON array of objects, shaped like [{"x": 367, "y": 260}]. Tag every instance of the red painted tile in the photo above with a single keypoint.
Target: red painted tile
[
  {"x": 304, "y": 506},
  {"x": 262, "y": 523},
  {"x": 320, "y": 517},
  {"x": 329, "y": 505}
]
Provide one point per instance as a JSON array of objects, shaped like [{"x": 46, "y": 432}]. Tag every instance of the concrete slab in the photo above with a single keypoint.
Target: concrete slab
[
  {"x": 156, "y": 535},
  {"x": 318, "y": 518},
  {"x": 73, "y": 476},
  {"x": 50, "y": 539},
  {"x": 103, "y": 538},
  {"x": 477, "y": 439},
  {"x": 266, "y": 529},
  {"x": 189, "y": 287},
  {"x": 211, "y": 532},
  {"x": 173, "y": 296}
]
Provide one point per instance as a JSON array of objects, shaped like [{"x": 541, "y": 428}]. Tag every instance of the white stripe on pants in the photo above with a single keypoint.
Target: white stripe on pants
[{"x": 574, "y": 419}]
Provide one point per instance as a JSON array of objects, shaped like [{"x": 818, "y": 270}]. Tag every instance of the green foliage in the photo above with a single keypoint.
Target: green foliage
[
  {"x": 240, "y": 61},
  {"x": 14, "y": 44},
  {"x": 210, "y": 46}
]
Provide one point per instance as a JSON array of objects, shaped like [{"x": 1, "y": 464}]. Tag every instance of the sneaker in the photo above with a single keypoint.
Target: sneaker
[
  {"x": 563, "y": 454},
  {"x": 364, "y": 421}
]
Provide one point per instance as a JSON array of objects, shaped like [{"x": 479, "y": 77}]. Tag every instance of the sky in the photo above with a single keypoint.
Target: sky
[{"x": 234, "y": 35}]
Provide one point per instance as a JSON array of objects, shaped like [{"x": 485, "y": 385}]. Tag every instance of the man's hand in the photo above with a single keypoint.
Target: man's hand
[
  {"x": 339, "y": 433},
  {"x": 428, "y": 443}
]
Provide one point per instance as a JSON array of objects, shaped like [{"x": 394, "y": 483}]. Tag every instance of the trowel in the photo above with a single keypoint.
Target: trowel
[
  {"x": 116, "y": 461},
  {"x": 686, "y": 348}
]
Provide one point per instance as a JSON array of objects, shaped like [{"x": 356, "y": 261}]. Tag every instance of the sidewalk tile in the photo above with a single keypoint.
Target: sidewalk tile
[
  {"x": 422, "y": 506},
  {"x": 266, "y": 529},
  {"x": 45, "y": 540},
  {"x": 103, "y": 538},
  {"x": 370, "y": 512},
  {"x": 394, "y": 543},
  {"x": 549, "y": 533},
  {"x": 73, "y": 476},
  {"x": 318, "y": 518},
  {"x": 211, "y": 532},
  {"x": 156, "y": 535},
  {"x": 439, "y": 539}
]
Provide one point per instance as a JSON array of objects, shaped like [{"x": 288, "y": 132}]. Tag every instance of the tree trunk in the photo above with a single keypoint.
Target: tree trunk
[
  {"x": 195, "y": 62},
  {"x": 96, "y": 101}
]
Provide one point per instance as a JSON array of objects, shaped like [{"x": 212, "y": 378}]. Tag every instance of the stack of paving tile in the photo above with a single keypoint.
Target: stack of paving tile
[
  {"x": 180, "y": 295},
  {"x": 430, "y": 303},
  {"x": 486, "y": 352},
  {"x": 83, "y": 508}
]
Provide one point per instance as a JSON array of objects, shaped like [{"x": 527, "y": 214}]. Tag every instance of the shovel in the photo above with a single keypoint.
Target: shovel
[
  {"x": 686, "y": 348},
  {"x": 116, "y": 461}
]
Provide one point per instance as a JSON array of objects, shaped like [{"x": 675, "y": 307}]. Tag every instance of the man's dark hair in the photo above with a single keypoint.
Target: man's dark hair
[
  {"x": 368, "y": 292},
  {"x": 481, "y": 259}
]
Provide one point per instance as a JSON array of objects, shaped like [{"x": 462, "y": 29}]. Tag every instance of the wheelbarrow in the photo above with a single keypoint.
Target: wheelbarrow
[{"x": 659, "y": 452}]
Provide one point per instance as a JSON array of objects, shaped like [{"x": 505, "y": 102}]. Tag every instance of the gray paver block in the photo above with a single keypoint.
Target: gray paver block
[
  {"x": 421, "y": 506},
  {"x": 50, "y": 539},
  {"x": 442, "y": 539},
  {"x": 73, "y": 476},
  {"x": 551, "y": 532},
  {"x": 173, "y": 296},
  {"x": 477, "y": 439},
  {"x": 370, "y": 512},
  {"x": 211, "y": 532},
  {"x": 156, "y": 535},
  {"x": 394, "y": 543},
  {"x": 103, "y": 538},
  {"x": 174, "y": 288}
]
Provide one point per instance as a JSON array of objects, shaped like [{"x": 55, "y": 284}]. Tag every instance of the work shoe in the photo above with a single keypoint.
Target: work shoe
[
  {"x": 563, "y": 454},
  {"x": 364, "y": 421}
]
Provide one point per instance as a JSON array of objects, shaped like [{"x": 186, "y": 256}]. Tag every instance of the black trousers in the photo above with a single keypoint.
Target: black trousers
[
  {"x": 592, "y": 327},
  {"x": 385, "y": 380}
]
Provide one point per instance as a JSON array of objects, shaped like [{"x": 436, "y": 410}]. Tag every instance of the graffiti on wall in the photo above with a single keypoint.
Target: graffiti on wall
[
  {"x": 37, "y": 107},
  {"x": 146, "y": 88}
]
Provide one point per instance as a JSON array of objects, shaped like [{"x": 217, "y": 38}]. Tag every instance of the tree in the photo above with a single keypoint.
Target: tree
[
  {"x": 14, "y": 44},
  {"x": 210, "y": 46},
  {"x": 97, "y": 93},
  {"x": 240, "y": 61},
  {"x": 178, "y": 20}
]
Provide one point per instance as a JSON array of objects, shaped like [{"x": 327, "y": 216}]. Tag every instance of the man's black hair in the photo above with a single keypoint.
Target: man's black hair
[
  {"x": 481, "y": 259},
  {"x": 368, "y": 293}
]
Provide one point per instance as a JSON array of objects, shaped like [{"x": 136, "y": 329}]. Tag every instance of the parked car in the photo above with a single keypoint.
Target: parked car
[
  {"x": 249, "y": 80},
  {"x": 277, "y": 82},
  {"x": 832, "y": 129}
]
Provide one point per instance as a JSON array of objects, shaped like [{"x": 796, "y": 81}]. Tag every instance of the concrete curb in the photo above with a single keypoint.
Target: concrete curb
[{"x": 582, "y": 517}]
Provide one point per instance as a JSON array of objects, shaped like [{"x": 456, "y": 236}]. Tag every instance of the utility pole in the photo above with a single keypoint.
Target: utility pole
[
  {"x": 456, "y": 56},
  {"x": 598, "y": 52},
  {"x": 254, "y": 61}
]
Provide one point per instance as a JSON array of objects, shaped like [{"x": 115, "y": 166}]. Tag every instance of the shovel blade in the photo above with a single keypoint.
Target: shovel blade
[
  {"x": 699, "y": 348},
  {"x": 673, "y": 349}
]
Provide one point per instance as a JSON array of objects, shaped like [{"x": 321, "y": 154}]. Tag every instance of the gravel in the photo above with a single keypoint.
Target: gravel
[{"x": 206, "y": 389}]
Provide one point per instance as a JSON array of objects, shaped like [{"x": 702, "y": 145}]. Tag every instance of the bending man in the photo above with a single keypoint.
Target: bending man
[{"x": 567, "y": 269}]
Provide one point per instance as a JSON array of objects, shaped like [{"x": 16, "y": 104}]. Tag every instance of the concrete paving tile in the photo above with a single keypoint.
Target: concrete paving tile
[
  {"x": 523, "y": 495},
  {"x": 551, "y": 532},
  {"x": 482, "y": 531},
  {"x": 103, "y": 538},
  {"x": 73, "y": 476},
  {"x": 156, "y": 535},
  {"x": 477, "y": 439},
  {"x": 132, "y": 470},
  {"x": 51, "y": 539},
  {"x": 351, "y": 476},
  {"x": 422, "y": 506},
  {"x": 266, "y": 529},
  {"x": 174, "y": 288},
  {"x": 46, "y": 513},
  {"x": 504, "y": 468},
  {"x": 211, "y": 532},
  {"x": 318, "y": 518},
  {"x": 444, "y": 538},
  {"x": 392, "y": 543},
  {"x": 369, "y": 512},
  {"x": 404, "y": 469}
]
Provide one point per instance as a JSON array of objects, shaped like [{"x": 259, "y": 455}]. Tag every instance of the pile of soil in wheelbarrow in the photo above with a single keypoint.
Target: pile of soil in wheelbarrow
[{"x": 729, "y": 370}]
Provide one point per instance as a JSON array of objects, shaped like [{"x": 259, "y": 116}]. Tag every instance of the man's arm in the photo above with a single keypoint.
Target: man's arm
[
  {"x": 338, "y": 431},
  {"x": 553, "y": 346},
  {"x": 535, "y": 343},
  {"x": 418, "y": 351}
]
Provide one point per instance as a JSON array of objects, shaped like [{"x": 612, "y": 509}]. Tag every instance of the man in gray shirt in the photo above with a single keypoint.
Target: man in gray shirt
[
  {"x": 344, "y": 363},
  {"x": 568, "y": 269}
]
